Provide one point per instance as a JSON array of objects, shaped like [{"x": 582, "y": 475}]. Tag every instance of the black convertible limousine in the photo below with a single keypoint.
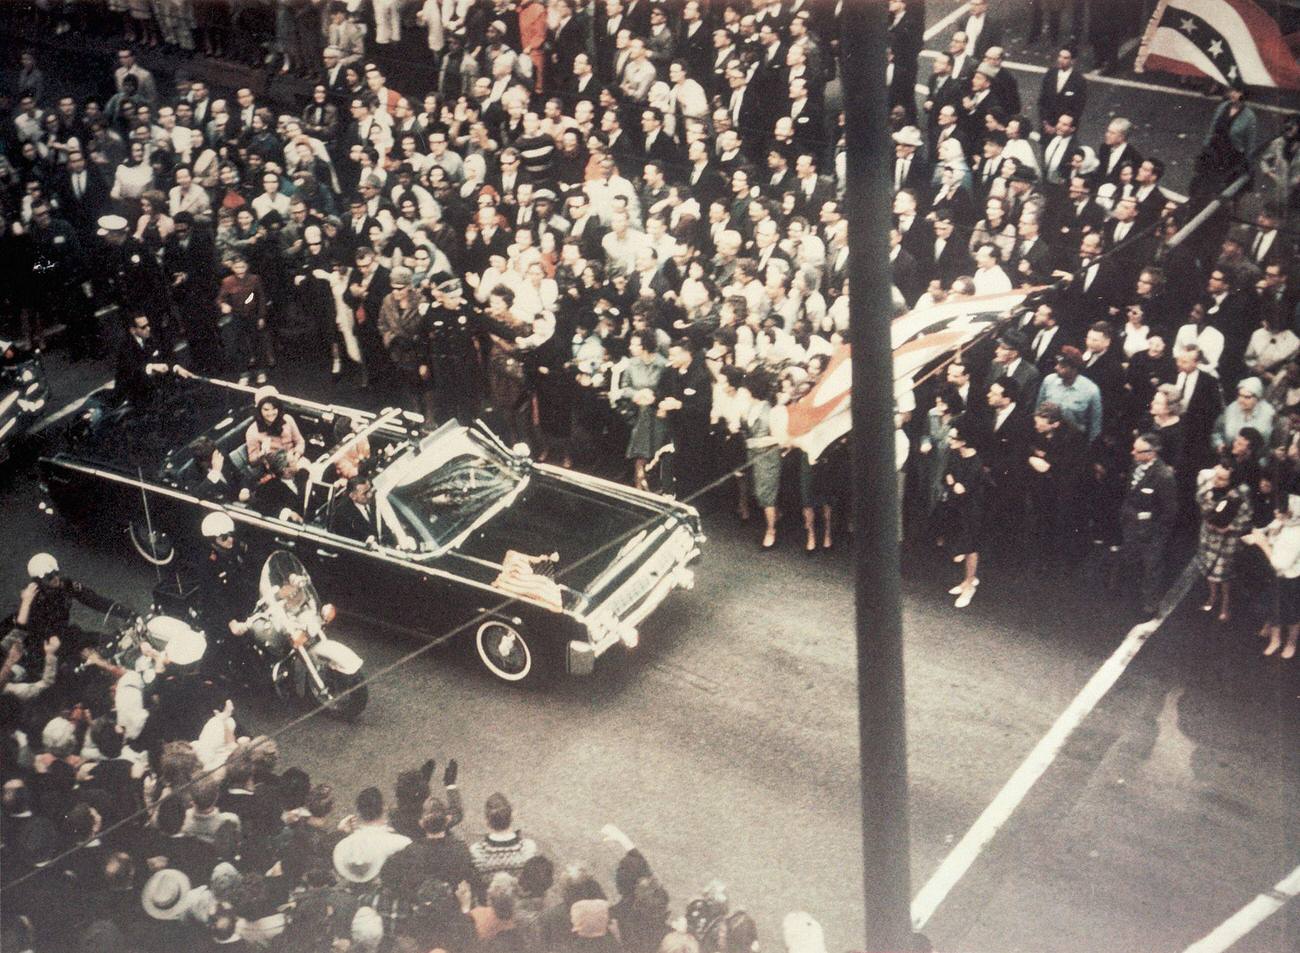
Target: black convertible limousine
[{"x": 460, "y": 520}]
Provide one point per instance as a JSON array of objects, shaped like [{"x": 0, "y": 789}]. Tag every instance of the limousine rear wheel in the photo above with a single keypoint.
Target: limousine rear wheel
[{"x": 508, "y": 654}]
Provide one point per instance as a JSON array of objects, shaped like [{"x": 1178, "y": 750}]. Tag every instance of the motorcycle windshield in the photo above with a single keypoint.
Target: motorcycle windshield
[{"x": 285, "y": 582}]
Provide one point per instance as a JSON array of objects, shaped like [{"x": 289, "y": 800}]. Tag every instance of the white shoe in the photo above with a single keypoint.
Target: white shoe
[
  {"x": 956, "y": 590},
  {"x": 964, "y": 599}
]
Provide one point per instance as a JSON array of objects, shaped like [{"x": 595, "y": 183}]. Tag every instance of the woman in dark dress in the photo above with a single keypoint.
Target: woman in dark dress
[{"x": 963, "y": 487}]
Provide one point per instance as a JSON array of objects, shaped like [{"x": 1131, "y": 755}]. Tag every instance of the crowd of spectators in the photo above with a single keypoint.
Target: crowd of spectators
[
  {"x": 617, "y": 229},
  {"x": 150, "y": 829}
]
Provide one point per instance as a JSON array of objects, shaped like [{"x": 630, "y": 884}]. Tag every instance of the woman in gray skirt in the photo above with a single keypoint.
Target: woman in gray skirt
[
  {"x": 636, "y": 400},
  {"x": 757, "y": 394}
]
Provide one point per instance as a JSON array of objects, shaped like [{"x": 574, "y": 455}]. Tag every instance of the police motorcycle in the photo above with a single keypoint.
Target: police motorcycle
[
  {"x": 164, "y": 693},
  {"x": 288, "y": 632},
  {"x": 24, "y": 393}
]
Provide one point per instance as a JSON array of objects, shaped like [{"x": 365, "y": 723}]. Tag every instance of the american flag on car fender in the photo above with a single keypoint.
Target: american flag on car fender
[
  {"x": 519, "y": 578},
  {"x": 1228, "y": 41},
  {"x": 822, "y": 416}
]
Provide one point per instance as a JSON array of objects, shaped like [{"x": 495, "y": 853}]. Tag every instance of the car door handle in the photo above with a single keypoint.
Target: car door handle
[
  {"x": 285, "y": 541},
  {"x": 327, "y": 553}
]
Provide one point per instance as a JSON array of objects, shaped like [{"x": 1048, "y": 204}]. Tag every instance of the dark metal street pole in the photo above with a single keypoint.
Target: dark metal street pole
[{"x": 881, "y": 721}]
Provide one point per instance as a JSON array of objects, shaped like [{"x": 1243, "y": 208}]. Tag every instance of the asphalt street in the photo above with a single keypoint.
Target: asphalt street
[{"x": 726, "y": 744}]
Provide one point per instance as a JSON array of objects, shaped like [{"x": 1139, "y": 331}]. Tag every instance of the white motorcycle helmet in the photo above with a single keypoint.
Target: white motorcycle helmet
[
  {"x": 42, "y": 565},
  {"x": 217, "y": 524}
]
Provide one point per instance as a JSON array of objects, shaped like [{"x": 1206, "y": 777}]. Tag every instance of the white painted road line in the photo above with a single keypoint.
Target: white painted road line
[
  {"x": 1254, "y": 913},
  {"x": 947, "y": 21},
  {"x": 988, "y": 824}
]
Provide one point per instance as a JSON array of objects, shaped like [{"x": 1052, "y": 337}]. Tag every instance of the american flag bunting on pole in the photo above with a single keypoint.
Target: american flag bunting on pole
[
  {"x": 1228, "y": 41},
  {"x": 822, "y": 416}
]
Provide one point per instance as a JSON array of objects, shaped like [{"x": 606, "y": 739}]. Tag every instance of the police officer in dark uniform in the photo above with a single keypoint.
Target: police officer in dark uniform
[
  {"x": 46, "y": 610},
  {"x": 454, "y": 366},
  {"x": 128, "y": 275},
  {"x": 227, "y": 592},
  {"x": 58, "y": 274}
]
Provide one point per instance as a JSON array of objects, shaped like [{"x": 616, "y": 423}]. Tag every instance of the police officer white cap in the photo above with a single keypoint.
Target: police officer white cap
[
  {"x": 41, "y": 565},
  {"x": 111, "y": 223},
  {"x": 217, "y": 524}
]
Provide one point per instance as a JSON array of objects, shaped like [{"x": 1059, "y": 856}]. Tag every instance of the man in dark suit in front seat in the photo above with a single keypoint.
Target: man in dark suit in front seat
[{"x": 354, "y": 516}]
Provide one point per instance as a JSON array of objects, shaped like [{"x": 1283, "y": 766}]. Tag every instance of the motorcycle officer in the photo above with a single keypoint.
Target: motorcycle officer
[
  {"x": 227, "y": 589},
  {"x": 45, "y": 609}
]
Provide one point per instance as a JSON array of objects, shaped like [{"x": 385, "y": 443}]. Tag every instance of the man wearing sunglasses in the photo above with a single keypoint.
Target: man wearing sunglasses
[
  {"x": 227, "y": 590},
  {"x": 143, "y": 361}
]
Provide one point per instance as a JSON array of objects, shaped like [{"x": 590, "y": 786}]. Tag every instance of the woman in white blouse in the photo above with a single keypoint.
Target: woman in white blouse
[
  {"x": 1280, "y": 544},
  {"x": 1135, "y": 331},
  {"x": 133, "y": 176},
  {"x": 536, "y": 293}
]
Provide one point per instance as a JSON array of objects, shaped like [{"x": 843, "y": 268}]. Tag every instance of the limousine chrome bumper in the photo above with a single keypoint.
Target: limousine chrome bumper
[{"x": 617, "y": 618}]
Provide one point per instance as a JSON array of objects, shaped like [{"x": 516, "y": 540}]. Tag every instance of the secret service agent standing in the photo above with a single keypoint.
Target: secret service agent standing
[{"x": 143, "y": 363}]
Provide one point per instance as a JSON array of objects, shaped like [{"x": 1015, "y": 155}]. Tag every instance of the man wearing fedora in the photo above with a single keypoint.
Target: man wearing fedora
[
  {"x": 165, "y": 900},
  {"x": 911, "y": 171},
  {"x": 370, "y": 841}
]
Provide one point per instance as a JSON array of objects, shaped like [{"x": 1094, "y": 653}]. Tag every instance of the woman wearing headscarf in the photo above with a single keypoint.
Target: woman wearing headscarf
[{"x": 475, "y": 168}]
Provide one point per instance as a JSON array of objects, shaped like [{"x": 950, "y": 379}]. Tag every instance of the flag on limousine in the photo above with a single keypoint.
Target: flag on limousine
[
  {"x": 531, "y": 578},
  {"x": 920, "y": 337},
  {"x": 1228, "y": 41}
]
